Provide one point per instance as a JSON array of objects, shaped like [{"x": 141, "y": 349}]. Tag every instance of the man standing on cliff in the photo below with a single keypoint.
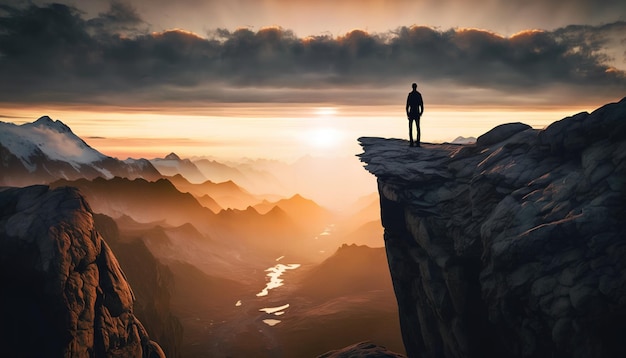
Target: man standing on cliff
[{"x": 414, "y": 110}]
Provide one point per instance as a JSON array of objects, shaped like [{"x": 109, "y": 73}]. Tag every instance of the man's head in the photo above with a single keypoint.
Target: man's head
[{"x": 414, "y": 85}]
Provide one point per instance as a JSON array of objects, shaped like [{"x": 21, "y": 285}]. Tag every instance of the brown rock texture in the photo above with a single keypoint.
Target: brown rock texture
[
  {"x": 362, "y": 350},
  {"x": 63, "y": 292},
  {"x": 514, "y": 246}
]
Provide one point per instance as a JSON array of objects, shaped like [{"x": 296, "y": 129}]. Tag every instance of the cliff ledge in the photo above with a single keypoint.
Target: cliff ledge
[{"x": 514, "y": 246}]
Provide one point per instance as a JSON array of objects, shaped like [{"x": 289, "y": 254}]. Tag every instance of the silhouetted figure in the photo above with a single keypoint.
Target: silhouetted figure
[{"x": 414, "y": 110}]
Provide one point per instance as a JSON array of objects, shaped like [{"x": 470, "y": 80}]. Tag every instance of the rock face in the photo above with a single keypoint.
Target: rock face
[
  {"x": 152, "y": 283},
  {"x": 514, "y": 246},
  {"x": 63, "y": 292}
]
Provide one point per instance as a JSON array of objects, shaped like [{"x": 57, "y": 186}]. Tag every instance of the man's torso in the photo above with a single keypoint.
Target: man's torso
[{"x": 414, "y": 101}]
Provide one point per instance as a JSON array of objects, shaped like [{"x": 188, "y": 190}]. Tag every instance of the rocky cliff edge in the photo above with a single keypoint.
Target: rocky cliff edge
[
  {"x": 63, "y": 292},
  {"x": 513, "y": 246}
]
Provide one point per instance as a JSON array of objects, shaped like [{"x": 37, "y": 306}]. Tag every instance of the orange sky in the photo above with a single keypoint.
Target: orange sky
[
  {"x": 276, "y": 133},
  {"x": 223, "y": 83}
]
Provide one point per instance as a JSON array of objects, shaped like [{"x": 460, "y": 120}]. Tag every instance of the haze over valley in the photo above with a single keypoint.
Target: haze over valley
[{"x": 208, "y": 260}]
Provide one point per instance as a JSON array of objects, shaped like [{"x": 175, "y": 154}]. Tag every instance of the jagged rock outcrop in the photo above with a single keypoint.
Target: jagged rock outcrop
[
  {"x": 63, "y": 292},
  {"x": 514, "y": 246},
  {"x": 152, "y": 283}
]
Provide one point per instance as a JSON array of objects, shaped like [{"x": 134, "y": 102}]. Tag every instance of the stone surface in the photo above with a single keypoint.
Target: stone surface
[
  {"x": 362, "y": 350},
  {"x": 152, "y": 283},
  {"x": 511, "y": 247},
  {"x": 63, "y": 291}
]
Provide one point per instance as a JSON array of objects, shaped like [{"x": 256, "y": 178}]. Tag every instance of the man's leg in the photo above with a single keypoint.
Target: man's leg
[
  {"x": 411, "y": 131},
  {"x": 419, "y": 132}
]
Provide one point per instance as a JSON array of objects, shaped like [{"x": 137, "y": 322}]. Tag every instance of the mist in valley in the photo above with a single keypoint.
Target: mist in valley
[{"x": 225, "y": 269}]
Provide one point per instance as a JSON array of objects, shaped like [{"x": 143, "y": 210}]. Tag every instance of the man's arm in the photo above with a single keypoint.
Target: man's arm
[
  {"x": 408, "y": 98},
  {"x": 421, "y": 105}
]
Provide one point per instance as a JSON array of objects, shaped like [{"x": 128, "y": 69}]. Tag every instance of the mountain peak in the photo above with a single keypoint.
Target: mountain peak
[
  {"x": 297, "y": 200},
  {"x": 45, "y": 150},
  {"x": 172, "y": 156},
  {"x": 45, "y": 121},
  {"x": 276, "y": 211}
]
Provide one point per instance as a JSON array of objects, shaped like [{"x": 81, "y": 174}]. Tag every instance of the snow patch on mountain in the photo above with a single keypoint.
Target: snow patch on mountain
[{"x": 52, "y": 138}]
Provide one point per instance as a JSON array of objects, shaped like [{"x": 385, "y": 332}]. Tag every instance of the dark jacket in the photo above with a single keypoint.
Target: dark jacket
[{"x": 414, "y": 105}]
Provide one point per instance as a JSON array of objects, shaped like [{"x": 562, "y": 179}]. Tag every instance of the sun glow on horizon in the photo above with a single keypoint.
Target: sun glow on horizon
[
  {"x": 324, "y": 138},
  {"x": 326, "y": 111},
  {"x": 273, "y": 132}
]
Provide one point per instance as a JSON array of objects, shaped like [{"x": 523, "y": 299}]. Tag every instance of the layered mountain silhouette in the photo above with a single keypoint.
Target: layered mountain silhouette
[
  {"x": 271, "y": 234},
  {"x": 362, "y": 225},
  {"x": 172, "y": 165},
  {"x": 145, "y": 201},
  {"x": 303, "y": 211},
  {"x": 259, "y": 181},
  {"x": 193, "y": 247},
  {"x": 333, "y": 182},
  {"x": 226, "y": 194}
]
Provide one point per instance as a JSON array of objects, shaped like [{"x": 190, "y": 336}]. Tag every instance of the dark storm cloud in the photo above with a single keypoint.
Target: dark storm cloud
[
  {"x": 121, "y": 18},
  {"x": 53, "y": 54}
]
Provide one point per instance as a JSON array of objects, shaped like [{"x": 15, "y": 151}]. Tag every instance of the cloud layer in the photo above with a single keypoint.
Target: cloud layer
[{"x": 54, "y": 54}]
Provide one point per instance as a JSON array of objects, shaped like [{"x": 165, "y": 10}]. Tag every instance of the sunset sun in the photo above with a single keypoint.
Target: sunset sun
[
  {"x": 324, "y": 138},
  {"x": 326, "y": 111}
]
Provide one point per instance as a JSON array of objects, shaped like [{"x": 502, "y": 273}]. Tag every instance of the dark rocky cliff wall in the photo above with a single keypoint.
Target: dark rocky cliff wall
[
  {"x": 63, "y": 293},
  {"x": 514, "y": 246},
  {"x": 152, "y": 283}
]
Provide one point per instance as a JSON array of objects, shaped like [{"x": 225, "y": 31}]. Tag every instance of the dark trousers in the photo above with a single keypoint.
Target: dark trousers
[{"x": 417, "y": 127}]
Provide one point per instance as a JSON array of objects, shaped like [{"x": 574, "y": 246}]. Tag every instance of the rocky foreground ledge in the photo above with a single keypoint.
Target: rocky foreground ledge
[
  {"x": 62, "y": 291},
  {"x": 511, "y": 247}
]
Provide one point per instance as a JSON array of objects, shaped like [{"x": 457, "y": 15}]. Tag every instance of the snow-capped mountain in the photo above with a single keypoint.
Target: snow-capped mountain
[{"x": 46, "y": 150}]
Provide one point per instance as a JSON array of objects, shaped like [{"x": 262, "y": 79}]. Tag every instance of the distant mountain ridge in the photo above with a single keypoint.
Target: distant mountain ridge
[
  {"x": 46, "y": 150},
  {"x": 172, "y": 164},
  {"x": 192, "y": 250},
  {"x": 256, "y": 180},
  {"x": 226, "y": 194},
  {"x": 143, "y": 200}
]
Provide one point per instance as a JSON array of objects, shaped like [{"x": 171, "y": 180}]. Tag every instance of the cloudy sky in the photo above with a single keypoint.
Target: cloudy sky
[{"x": 236, "y": 56}]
